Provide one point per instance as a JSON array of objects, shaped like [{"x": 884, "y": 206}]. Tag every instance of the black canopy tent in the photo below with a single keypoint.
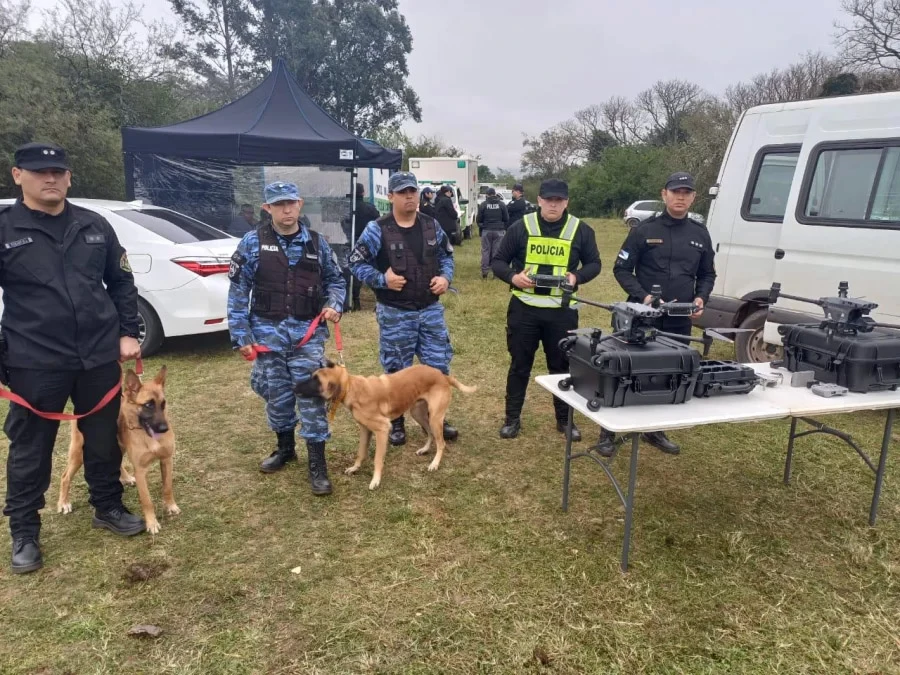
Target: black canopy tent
[{"x": 277, "y": 123}]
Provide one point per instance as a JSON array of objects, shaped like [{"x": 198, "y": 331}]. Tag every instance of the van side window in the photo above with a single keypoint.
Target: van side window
[
  {"x": 854, "y": 186},
  {"x": 771, "y": 186}
]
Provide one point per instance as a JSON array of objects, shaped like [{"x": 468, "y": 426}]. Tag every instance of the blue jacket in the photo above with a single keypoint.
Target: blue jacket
[{"x": 245, "y": 327}]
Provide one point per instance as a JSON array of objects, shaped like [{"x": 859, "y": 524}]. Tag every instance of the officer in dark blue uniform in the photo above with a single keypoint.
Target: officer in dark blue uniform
[
  {"x": 408, "y": 259},
  {"x": 675, "y": 252},
  {"x": 283, "y": 275},
  {"x": 69, "y": 317}
]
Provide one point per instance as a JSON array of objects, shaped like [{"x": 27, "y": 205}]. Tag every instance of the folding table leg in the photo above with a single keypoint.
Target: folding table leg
[
  {"x": 790, "y": 451},
  {"x": 879, "y": 475},
  {"x": 568, "y": 461},
  {"x": 629, "y": 500}
]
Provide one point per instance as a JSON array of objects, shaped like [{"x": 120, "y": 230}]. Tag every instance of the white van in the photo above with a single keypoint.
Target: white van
[{"x": 808, "y": 195}]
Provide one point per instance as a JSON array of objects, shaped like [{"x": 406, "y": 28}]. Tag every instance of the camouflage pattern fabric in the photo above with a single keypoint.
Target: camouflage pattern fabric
[{"x": 408, "y": 333}]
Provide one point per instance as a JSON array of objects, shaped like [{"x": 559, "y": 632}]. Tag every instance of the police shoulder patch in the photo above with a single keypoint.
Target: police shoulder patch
[
  {"x": 360, "y": 254},
  {"x": 124, "y": 265},
  {"x": 234, "y": 268},
  {"x": 624, "y": 255}
]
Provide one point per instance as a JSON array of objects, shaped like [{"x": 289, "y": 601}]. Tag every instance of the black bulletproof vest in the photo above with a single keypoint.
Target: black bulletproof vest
[
  {"x": 396, "y": 254},
  {"x": 279, "y": 290}
]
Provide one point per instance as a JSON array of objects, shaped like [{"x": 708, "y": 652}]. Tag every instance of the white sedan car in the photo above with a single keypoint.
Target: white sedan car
[
  {"x": 180, "y": 268},
  {"x": 640, "y": 211}
]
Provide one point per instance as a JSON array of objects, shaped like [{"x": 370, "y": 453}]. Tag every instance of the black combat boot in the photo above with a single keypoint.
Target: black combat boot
[
  {"x": 659, "y": 440},
  {"x": 318, "y": 469},
  {"x": 285, "y": 453},
  {"x": 606, "y": 444},
  {"x": 510, "y": 428},
  {"x": 119, "y": 520},
  {"x": 450, "y": 432},
  {"x": 562, "y": 427},
  {"x": 26, "y": 555},
  {"x": 398, "y": 432}
]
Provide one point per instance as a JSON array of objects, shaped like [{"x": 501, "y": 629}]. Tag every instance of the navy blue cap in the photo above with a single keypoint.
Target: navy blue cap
[
  {"x": 402, "y": 180},
  {"x": 281, "y": 192},
  {"x": 553, "y": 187},
  {"x": 519, "y": 187},
  {"x": 37, "y": 156},
  {"x": 679, "y": 181}
]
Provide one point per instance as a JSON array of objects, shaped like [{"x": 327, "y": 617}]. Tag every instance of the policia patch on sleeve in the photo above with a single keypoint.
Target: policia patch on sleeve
[
  {"x": 124, "y": 265},
  {"x": 234, "y": 269},
  {"x": 360, "y": 254}
]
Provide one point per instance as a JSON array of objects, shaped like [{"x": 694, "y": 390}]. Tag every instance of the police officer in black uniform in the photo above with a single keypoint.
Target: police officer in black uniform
[
  {"x": 518, "y": 207},
  {"x": 675, "y": 252},
  {"x": 551, "y": 241},
  {"x": 69, "y": 318},
  {"x": 366, "y": 212},
  {"x": 492, "y": 220}
]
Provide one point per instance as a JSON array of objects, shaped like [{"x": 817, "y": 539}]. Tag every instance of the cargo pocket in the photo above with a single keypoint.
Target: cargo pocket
[{"x": 259, "y": 383}]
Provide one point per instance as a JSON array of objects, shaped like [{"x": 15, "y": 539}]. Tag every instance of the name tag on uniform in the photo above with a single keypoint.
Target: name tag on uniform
[
  {"x": 95, "y": 238},
  {"x": 17, "y": 243},
  {"x": 270, "y": 247},
  {"x": 654, "y": 241}
]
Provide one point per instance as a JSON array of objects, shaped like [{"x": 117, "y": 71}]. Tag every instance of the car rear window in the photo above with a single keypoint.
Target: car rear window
[{"x": 175, "y": 227}]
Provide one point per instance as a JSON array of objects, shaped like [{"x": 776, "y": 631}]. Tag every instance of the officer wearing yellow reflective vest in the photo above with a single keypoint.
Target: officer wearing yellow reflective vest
[{"x": 551, "y": 241}]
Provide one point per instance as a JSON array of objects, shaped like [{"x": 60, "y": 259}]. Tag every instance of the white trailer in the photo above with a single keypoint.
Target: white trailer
[{"x": 462, "y": 171}]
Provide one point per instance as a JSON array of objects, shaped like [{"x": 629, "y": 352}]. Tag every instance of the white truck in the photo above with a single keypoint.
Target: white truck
[
  {"x": 461, "y": 172},
  {"x": 808, "y": 195}
]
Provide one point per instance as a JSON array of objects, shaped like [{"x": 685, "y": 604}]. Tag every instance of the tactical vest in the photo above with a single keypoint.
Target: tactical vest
[
  {"x": 396, "y": 254},
  {"x": 281, "y": 290},
  {"x": 546, "y": 255}
]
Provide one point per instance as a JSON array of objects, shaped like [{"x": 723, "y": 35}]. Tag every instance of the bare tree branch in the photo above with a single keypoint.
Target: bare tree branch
[{"x": 871, "y": 39}]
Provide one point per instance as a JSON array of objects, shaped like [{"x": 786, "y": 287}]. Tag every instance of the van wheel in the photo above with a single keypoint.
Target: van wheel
[
  {"x": 632, "y": 222},
  {"x": 750, "y": 347},
  {"x": 150, "y": 331}
]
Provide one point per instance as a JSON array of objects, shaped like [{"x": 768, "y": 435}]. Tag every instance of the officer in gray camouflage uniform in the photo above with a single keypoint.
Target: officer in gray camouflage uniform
[
  {"x": 283, "y": 275},
  {"x": 408, "y": 260}
]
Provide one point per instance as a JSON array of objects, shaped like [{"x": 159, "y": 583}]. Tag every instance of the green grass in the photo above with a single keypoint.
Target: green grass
[{"x": 474, "y": 568}]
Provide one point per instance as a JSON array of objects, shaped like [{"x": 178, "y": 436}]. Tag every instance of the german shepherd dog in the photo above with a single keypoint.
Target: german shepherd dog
[
  {"x": 374, "y": 401},
  {"x": 145, "y": 436}
]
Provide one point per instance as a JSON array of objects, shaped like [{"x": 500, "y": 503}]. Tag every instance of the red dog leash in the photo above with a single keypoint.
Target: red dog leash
[
  {"x": 314, "y": 324},
  {"x": 68, "y": 417}
]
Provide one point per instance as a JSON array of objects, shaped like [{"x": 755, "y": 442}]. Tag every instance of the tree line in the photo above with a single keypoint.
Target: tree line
[
  {"x": 619, "y": 151},
  {"x": 91, "y": 67}
]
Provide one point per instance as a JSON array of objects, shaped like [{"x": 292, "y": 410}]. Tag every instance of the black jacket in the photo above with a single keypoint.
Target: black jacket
[
  {"x": 517, "y": 209},
  {"x": 365, "y": 214},
  {"x": 427, "y": 207},
  {"x": 492, "y": 214},
  {"x": 57, "y": 315},
  {"x": 676, "y": 254},
  {"x": 510, "y": 258},
  {"x": 445, "y": 213}
]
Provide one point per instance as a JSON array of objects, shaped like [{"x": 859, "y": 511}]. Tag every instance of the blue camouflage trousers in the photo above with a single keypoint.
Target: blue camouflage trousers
[
  {"x": 273, "y": 378},
  {"x": 406, "y": 333}
]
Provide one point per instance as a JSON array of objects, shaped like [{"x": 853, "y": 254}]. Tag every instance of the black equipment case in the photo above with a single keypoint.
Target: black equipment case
[
  {"x": 724, "y": 377},
  {"x": 867, "y": 361},
  {"x": 612, "y": 373}
]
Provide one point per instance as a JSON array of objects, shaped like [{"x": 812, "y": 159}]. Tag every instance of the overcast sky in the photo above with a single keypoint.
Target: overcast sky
[{"x": 548, "y": 58}]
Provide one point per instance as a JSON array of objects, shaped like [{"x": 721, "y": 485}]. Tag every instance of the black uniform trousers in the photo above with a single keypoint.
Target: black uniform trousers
[
  {"x": 357, "y": 287},
  {"x": 527, "y": 328},
  {"x": 680, "y": 325},
  {"x": 31, "y": 440}
]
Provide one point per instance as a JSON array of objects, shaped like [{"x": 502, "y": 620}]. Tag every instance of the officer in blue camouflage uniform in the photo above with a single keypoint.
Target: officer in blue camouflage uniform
[
  {"x": 408, "y": 261},
  {"x": 283, "y": 275}
]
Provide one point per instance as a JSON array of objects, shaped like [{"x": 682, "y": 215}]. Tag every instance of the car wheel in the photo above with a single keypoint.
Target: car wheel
[
  {"x": 632, "y": 222},
  {"x": 750, "y": 347},
  {"x": 150, "y": 331}
]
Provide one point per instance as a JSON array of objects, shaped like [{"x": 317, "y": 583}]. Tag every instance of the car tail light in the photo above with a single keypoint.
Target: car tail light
[{"x": 204, "y": 267}]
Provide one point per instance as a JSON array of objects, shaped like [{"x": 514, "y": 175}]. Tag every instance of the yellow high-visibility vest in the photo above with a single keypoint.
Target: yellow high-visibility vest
[{"x": 541, "y": 251}]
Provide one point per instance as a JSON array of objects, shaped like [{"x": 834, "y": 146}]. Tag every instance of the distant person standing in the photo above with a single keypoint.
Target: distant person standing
[
  {"x": 445, "y": 211},
  {"x": 675, "y": 252},
  {"x": 518, "y": 207},
  {"x": 366, "y": 212},
  {"x": 243, "y": 222},
  {"x": 492, "y": 220},
  {"x": 426, "y": 203}
]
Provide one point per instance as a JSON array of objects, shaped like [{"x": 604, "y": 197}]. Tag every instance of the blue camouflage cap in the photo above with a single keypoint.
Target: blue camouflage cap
[
  {"x": 281, "y": 192},
  {"x": 401, "y": 181}
]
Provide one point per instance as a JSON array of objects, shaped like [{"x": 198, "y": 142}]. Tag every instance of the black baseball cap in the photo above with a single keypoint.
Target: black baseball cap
[
  {"x": 680, "y": 180},
  {"x": 553, "y": 187},
  {"x": 491, "y": 192},
  {"x": 38, "y": 156},
  {"x": 519, "y": 187}
]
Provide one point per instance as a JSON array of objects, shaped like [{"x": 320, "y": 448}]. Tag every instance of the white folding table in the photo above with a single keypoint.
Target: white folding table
[{"x": 759, "y": 405}]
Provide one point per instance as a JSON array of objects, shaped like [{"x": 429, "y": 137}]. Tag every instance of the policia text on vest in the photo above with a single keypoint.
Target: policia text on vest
[{"x": 535, "y": 316}]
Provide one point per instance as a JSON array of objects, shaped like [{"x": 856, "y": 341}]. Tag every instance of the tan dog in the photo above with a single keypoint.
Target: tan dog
[
  {"x": 144, "y": 435},
  {"x": 374, "y": 401}
]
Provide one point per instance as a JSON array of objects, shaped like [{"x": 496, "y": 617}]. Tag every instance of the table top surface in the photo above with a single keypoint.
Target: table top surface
[{"x": 758, "y": 405}]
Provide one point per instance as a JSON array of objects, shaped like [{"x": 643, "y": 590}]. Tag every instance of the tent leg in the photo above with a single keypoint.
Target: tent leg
[{"x": 353, "y": 180}]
